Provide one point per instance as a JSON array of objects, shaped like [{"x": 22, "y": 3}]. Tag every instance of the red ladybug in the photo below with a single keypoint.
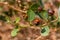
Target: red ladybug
[{"x": 37, "y": 21}]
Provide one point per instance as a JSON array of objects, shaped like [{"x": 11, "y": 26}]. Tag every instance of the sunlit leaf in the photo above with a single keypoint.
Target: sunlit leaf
[
  {"x": 45, "y": 31},
  {"x": 17, "y": 20},
  {"x": 31, "y": 15},
  {"x": 14, "y": 32}
]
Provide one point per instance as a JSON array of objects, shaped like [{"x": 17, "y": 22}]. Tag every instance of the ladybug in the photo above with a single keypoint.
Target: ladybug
[{"x": 37, "y": 21}]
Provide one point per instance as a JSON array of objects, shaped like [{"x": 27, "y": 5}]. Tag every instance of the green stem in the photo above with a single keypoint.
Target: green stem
[{"x": 41, "y": 3}]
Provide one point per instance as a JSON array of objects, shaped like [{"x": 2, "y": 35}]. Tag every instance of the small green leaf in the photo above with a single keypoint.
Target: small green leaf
[
  {"x": 44, "y": 15},
  {"x": 17, "y": 20},
  {"x": 31, "y": 15},
  {"x": 45, "y": 31},
  {"x": 14, "y": 32}
]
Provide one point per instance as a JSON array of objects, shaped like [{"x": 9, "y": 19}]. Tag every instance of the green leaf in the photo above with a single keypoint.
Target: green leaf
[
  {"x": 45, "y": 31},
  {"x": 34, "y": 7},
  {"x": 44, "y": 15},
  {"x": 14, "y": 32},
  {"x": 17, "y": 20},
  {"x": 31, "y": 15}
]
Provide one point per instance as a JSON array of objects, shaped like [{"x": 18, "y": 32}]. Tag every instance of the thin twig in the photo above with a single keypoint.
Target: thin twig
[
  {"x": 38, "y": 38},
  {"x": 10, "y": 6}
]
